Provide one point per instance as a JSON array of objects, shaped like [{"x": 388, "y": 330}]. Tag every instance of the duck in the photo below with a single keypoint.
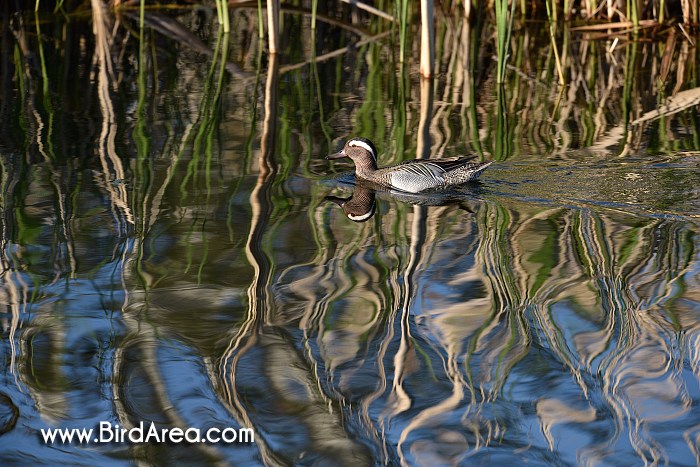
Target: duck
[{"x": 412, "y": 176}]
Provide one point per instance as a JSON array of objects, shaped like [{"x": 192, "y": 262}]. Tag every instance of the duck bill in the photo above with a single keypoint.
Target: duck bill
[
  {"x": 337, "y": 155},
  {"x": 335, "y": 199}
]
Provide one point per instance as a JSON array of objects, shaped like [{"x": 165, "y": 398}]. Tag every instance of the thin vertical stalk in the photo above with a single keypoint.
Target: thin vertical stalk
[
  {"x": 227, "y": 22},
  {"x": 427, "y": 42},
  {"x": 504, "y": 26},
  {"x": 690, "y": 9},
  {"x": 591, "y": 8},
  {"x": 502, "y": 139},
  {"x": 46, "y": 97},
  {"x": 633, "y": 13},
  {"x": 314, "y": 8},
  {"x": 219, "y": 13},
  {"x": 627, "y": 102},
  {"x": 403, "y": 25},
  {"x": 273, "y": 17},
  {"x": 222, "y": 10},
  {"x": 400, "y": 111},
  {"x": 142, "y": 17},
  {"x": 473, "y": 53},
  {"x": 261, "y": 28},
  {"x": 319, "y": 94},
  {"x": 42, "y": 60},
  {"x": 142, "y": 172},
  {"x": 427, "y": 100},
  {"x": 551, "y": 11},
  {"x": 205, "y": 116}
]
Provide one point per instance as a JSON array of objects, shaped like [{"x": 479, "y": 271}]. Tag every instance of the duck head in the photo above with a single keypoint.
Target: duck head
[{"x": 360, "y": 150}]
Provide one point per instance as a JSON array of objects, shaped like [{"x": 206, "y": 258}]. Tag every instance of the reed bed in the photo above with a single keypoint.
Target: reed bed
[{"x": 622, "y": 19}]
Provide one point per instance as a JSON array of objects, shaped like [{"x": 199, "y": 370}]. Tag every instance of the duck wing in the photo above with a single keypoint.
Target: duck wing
[
  {"x": 446, "y": 163},
  {"x": 451, "y": 163},
  {"x": 419, "y": 175},
  {"x": 415, "y": 176}
]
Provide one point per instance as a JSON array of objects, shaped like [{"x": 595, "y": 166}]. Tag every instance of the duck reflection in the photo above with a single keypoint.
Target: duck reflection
[{"x": 361, "y": 205}]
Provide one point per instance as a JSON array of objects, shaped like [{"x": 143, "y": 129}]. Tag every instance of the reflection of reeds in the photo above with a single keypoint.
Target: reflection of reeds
[
  {"x": 14, "y": 292},
  {"x": 259, "y": 302},
  {"x": 405, "y": 356},
  {"x": 532, "y": 263},
  {"x": 113, "y": 174},
  {"x": 149, "y": 190}
]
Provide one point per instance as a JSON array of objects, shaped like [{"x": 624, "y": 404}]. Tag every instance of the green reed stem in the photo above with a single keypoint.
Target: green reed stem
[
  {"x": 501, "y": 149},
  {"x": 633, "y": 12},
  {"x": 662, "y": 9},
  {"x": 550, "y": 12},
  {"x": 504, "y": 27},
  {"x": 319, "y": 95},
  {"x": 140, "y": 134},
  {"x": 592, "y": 7},
  {"x": 46, "y": 97},
  {"x": 222, "y": 14},
  {"x": 400, "y": 110},
  {"x": 473, "y": 118},
  {"x": 314, "y": 7},
  {"x": 627, "y": 101},
  {"x": 212, "y": 118},
  {"x": 42, "y": 60},
  {"x": 227, "y": 22},
  {"x": 142, "y": 19},
  {"x": 206, "y": 117},
  {"x": 219, "y": 14},
  {"x": 403, "y": 25},
  {"x": 261, "y": 32}
]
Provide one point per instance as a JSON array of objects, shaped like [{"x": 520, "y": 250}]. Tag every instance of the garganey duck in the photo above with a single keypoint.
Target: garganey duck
[{"x": 410, "y": 176}]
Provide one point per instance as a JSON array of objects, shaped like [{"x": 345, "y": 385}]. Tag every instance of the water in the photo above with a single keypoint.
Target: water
[{"x": 169, "y": 254}]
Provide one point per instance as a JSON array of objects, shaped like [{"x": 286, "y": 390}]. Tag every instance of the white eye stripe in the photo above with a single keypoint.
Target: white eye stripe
[{"x": 364, "y": 145}]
